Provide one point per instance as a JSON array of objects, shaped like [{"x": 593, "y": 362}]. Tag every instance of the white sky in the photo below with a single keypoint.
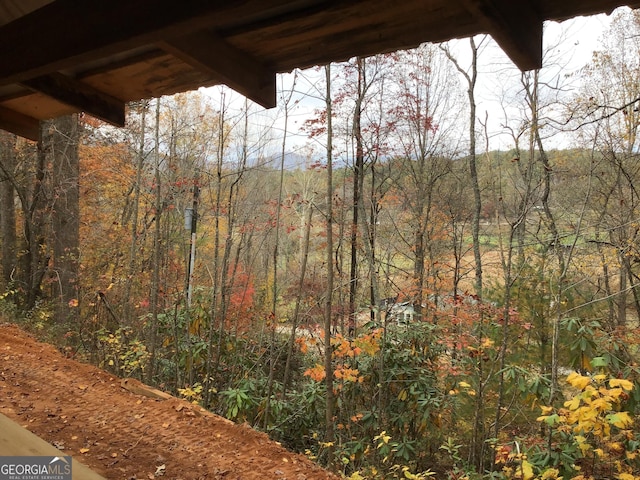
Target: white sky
[{"x": 498, "y": 79}]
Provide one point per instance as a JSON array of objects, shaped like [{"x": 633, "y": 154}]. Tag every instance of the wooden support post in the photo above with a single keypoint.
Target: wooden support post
[{"x": 18, "y": 441}]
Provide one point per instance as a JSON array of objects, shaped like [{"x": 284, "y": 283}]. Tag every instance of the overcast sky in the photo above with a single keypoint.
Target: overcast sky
[{"x": 497, "y": 87}]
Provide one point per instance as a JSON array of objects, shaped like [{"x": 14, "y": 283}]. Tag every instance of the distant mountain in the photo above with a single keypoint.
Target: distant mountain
[{"x": 292, "y": 161}]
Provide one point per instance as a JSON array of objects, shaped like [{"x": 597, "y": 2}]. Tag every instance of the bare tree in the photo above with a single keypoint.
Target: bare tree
[{"x": 328, "y": 306}]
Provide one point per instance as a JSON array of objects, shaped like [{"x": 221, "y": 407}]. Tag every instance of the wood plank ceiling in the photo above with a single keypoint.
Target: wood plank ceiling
[{"x": 64, "y": 56}]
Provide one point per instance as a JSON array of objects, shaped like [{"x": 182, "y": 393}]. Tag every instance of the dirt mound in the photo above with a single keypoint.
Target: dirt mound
[{"x": 85, "y": 412}]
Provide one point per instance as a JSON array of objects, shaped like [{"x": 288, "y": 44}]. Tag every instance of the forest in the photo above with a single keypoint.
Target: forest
[{"x": 394, "y": 298}]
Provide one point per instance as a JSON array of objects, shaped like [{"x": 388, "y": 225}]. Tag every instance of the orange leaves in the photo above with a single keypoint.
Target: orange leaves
[
  {"x": 344, "y": 350},
  {"x": 342, "y": 347},
  {"x": 367, "y": 344},
  {"x": 316, "y": 373},
  {"x": 341, "y": 372},
  {"x": 302, "y": 344},
  {"x": 348, "y": 374}
]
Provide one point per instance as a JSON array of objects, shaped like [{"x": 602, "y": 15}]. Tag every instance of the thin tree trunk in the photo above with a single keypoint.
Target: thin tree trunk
[
  {"x": 133, "y": 247},
  {"x": 358, "y": 182},
  {"x": 157, "y": 253},
  {"x": 472, "y": 78},
  {"x": 273, "y": 353},
  {"x": 213, "y": 360},
  {"x": 296, "y": 310},
  {"x": 7, "y": 208},
  {"x": 328, "y": 307}
]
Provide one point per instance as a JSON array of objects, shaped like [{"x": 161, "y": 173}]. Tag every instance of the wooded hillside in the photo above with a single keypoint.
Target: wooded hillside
[{"x": 405, "y": 300}]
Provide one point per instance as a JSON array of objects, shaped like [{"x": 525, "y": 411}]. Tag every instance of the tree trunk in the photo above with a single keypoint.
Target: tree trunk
[
  {"x": 133, "y": 246},
  {"x": 296, "y": 312},
  {"x": 328, "y": 307},
  {"x": 35, "y": 259},
  {"x": 7, "y": 208},
  {"x": 65, "y": 217},
  {"x": 358, "y": 179},
  {"x": 157, "y": 255}
]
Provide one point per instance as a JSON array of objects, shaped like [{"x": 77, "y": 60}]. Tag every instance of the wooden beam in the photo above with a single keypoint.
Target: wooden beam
[
  {"x": 65, "y": 33},
  {"x": 79, "y": 95},
  {"x": 560, "y": 11},
  {"x": 515, "y": 26},
  {"x": 209, "y": 53},
  {"x": 19, "y": 123}
]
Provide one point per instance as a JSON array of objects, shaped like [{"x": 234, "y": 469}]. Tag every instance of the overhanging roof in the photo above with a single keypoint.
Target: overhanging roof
[{"x": 64, "y": 56}]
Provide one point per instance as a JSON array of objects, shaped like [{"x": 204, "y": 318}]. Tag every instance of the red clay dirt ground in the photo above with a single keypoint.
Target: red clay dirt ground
[{"x": 84, "y": 412}]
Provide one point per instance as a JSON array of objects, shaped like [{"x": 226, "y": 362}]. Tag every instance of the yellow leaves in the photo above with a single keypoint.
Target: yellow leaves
[
  {"x": 368, "y": 344},
  {"x": 551, "y": 474},
  {"x": 592, "y": 417},
  {"x": 572, "y": 404},
  {"x": 616, "y": 448},
  {"x": 626, "y": 476},
  {"x": 523, "y": 471},
  {"x": 620, "y": 419},
  {"x": 382, "y": 439},
  {"x": 602, "y": 403},
  {"x": 546, "y": 410},
  {"x": 583, "y": 445},
  {"x": 622, "y": 383},
  {"x": 550, "y": 420},
  {"x": 578, "y": 381},
  {"x": 526, "y": 470},
  {"x": 594, "y": 408},
  {"x": 487, "y": 343},
  {"x": 466, "y": 388}
]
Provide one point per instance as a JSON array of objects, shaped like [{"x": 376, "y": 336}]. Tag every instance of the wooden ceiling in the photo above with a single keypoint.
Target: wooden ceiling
[{"x": 64, "y": 56}]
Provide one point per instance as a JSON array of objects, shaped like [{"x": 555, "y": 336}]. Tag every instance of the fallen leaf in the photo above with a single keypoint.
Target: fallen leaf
[
  {"x": 114, "y": 455},
  {"x": 75, "y": 437},
  {"x": 165, "y": 425},
  {"x": 138, "y": 402},
  {"x": 84, "y": 450}
]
